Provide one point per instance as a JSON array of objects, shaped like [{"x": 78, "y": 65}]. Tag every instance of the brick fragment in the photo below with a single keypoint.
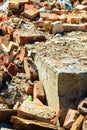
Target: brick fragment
[
  {"x": 74, "y": 27},
  {"x": 23, "y": 36},
  {"x": 70, "y": 118},
  {"x": 57, "y": 27},
  {"x": 77, "y": 124},
  {"x": 38, "y": 91},
  {"x": 30, "y": 69},
  {"x": 74, "y": 20},
  {"x": 20, "y": 123},
  {"x": 30, "y": 110},
  {"x": 49, "y": 16},
  {"x": 31, "y": 13},
  {"x": 12, "y": 45},
  {"x": 12, "y": 5},
  {"x": 12, "y": 69}
]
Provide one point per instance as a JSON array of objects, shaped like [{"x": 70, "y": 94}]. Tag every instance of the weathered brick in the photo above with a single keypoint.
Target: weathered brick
[
  {"x": 30, "y": 69},
  {"x": 23, "y": 36},
  {"x": 38, "y": 91},
  {"x": 30, "y": 110},
  {"x": 31, "y": 13},
  {"x": 49, "y": 16},
  {"x": 74, "y": 20},
  {"x": 78, "y": 123},
  {"x": 70, "y": 118},
  {"x": 57, "y": 27},
  {"x": 12, "y": 45},
  {"x": 74, "y": 27},
  {"x": 20, "y": 123},
  {"x": 13, "y": 5},
  {"x": 23, "y": 53},
  {"x": 47, "y": 25}
]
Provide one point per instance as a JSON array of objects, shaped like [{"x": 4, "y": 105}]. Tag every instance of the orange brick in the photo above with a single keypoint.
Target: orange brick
[
  {"x": 31, "y": 13},
  {"x": 10, "y": 30},
  {"x": 28, "y": 6},
  {"x": 38, "y": 91},
  {"x": 5, "y": 18}
]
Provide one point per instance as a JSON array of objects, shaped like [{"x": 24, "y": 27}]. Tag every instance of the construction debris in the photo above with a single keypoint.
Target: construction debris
[{"x": 55, "y": 30}]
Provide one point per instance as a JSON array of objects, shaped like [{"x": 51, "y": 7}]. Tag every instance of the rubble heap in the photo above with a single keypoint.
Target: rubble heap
[{"x": 28, "y": 27}]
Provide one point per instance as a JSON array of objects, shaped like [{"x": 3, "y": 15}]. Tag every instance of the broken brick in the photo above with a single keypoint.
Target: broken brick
[
  {"x": 70, "y": 118},
  {"x": 49, "y": 16},
  {"x": 30, "y": 110},
  {"x": 38, "y": 91},
  {"x": 12, "y": 69},
  {"x": 31, "y": 13},
  {"x": 24, "y": 36},
  {"x": 77, "y": 124},
  {"x": 20, "y": 123},
  {"x": 57, "y": 27},
  {"x": 74, "y": 20},
  {"x": 12, "y": 45}
]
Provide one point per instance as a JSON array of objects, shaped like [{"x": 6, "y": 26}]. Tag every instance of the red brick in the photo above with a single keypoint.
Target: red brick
[
  {"x": 10, "y": 30},
  {"x": 12, "y": 69},
  {"x": 39, "y": 23},
  {"x": 38, "y": 91},
  {"x": 30, "y": 69},
  {"x": 5, "y": 18},
  {"x": 22, "y": 36},
  {"x": 31, "y": 13}
]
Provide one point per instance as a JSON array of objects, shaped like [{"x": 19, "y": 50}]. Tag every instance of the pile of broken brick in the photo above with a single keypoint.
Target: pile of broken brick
[{"x": 22, "y": 95}]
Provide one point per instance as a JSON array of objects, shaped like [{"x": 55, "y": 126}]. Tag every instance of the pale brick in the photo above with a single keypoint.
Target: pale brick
[
  {"x": 12, "y": 45},
  {"x": 31, "y": 110},
  {"x": 49, "y": 16},
  {"x": 70, "y": 118},
  {"x": 31, "y": 13},
  {"x": 57, "y": 27}
]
